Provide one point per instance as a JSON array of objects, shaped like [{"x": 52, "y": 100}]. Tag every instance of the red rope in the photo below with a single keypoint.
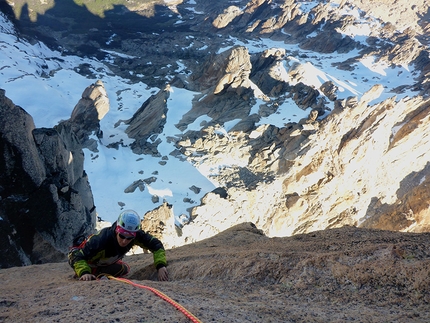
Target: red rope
[{"x": 161, "y": 295}]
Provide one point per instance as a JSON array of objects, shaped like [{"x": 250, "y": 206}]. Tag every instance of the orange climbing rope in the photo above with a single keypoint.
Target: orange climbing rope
[{"x": 161, "y": 295}]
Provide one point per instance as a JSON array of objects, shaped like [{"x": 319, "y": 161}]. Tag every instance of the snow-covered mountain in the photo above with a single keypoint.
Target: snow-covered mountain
[{"x": 309, "y": 114}]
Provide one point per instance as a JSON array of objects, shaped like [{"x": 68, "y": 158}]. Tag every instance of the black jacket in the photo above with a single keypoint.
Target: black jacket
[{"x": 102, "y": 249}]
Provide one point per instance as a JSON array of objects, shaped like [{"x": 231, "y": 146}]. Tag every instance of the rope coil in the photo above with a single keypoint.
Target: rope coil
[{"x": 163, "y": 296}]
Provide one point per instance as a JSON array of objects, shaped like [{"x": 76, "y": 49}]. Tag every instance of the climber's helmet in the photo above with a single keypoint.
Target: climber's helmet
[{"x": 129, "y": 221}]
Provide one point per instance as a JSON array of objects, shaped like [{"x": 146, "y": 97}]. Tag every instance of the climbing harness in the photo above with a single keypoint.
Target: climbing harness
[{"x": 159, "y": 294}]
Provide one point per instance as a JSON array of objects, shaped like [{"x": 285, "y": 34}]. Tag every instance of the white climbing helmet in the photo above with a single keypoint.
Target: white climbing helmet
[{"x": 129, "y": 220}]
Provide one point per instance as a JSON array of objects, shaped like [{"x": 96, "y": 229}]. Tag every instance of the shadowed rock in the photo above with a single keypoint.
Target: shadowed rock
[{"x": 45, "y": 196}]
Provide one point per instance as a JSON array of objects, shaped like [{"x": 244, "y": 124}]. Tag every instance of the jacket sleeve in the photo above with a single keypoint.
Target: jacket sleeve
[
  {"x": 159, "y": 258},
  {"x": 147, "y": 241},
  {"x": 78, "y": 258},
  {"x": 79, "y": 265}
]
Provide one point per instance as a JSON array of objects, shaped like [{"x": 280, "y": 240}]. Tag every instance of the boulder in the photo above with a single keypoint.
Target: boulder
[
  {"x": 304, "y": 95},
  {"x": 329, "y": 89}
]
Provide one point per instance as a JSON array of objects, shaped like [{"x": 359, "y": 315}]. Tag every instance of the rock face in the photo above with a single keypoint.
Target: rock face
[
  {"x": 45, "y": 199},
  {"x": 365, "y": 165}
]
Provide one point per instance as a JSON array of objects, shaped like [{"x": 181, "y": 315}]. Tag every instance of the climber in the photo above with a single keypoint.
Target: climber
[{"x": 102, "y": 253}]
